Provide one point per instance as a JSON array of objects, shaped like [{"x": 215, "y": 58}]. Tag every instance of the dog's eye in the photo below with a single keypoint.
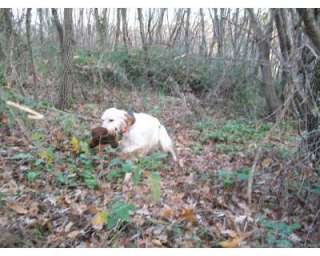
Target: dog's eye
[{"x": 110, "y": 120}]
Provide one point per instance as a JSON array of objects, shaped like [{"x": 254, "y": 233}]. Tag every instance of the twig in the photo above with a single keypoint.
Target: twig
[{"x": 33, "y": 114}]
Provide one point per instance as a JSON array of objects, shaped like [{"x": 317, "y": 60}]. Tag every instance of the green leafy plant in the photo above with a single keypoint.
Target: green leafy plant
[
  {"x": 154, "y": 185},
  {"x": 70, "y": 180},
  {"x": 88, "y": 178},
  {"x": 2, "y": 199},
  {"x": 196, "y": 148},
  {"x": 118, "y": 168},
  {"x": 136, "y": 175},
  {"x": 119, "y": 212},
  {"x": 68, "y": 124},
  {"x": 152, "y": 162},
  {"x": 32, "y": 175},
  {"x": 37, "y": 137},
  {"x": 22, "y": 156},
  {"x": 229, "y": 178},
  {"x": 277, "y": 232},
  {"x": 236, "y": 131}
]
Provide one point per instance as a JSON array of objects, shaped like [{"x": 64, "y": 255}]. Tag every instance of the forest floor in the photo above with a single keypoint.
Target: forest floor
[{"x": 55, "y": 192}]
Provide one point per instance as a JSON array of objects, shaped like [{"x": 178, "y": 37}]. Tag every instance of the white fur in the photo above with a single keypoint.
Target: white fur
[{"x": 143, "y": 136}]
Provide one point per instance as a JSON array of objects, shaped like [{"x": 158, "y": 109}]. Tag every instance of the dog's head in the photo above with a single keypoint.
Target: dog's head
[{"x": 117, "y": 121}]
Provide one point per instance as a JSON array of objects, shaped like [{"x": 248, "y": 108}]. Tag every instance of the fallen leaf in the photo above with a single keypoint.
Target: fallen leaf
[
  {"x": 11, "y": 187},
  {"x": 127, "y": 178},
  {"x": 46, "y": 156},
  {"x": 156, "y": 242},
  {"x": 68, "y": 227},
  {"x": 166, "y": 212},
  {"x": 231, "y": 243},
  {"x": 189, "y": 215},
  {"x": 79, "y": 209},
  {"x": 93, "y": 209},
  {"x": 230, "y": 233},
  {"x": 73, "y": 234},
  {"x": 34, "y": 209},
  {"x": 99, "y": 220},
  {"x": 294, "y": 238},
  {"x": 266, "y": 162},
  {"x": 181, "y": 163},
  {"x": 75, "y": 145},
  {"x": 18, "y": 209}
]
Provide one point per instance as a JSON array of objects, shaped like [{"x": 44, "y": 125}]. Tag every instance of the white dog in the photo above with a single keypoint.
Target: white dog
[{"x": 140, "y": 132}]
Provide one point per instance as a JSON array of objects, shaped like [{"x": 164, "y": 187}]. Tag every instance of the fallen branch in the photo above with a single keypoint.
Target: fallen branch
[{"x": 33, "y": 114}]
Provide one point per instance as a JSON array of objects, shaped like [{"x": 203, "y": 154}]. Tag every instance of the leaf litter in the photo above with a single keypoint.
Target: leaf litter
[{"x": 75, "y": 198}]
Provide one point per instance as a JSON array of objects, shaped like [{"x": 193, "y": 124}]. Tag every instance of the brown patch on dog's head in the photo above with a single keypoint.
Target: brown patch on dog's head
[
  {"x": 100, "y": 136},
  {"x": 130, "y": 119}
]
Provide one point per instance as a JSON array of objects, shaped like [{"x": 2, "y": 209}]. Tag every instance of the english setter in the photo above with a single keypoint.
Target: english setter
[{"x": 140, "y": 133}]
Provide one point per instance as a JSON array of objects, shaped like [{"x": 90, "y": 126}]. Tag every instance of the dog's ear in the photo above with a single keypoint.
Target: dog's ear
[{"x": 130, "y": 119}]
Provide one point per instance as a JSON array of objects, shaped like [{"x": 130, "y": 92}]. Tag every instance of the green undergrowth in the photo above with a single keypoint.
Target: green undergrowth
[{"x": 235, "y": 136}]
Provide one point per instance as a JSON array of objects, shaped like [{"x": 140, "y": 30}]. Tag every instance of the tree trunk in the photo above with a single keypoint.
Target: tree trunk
[
  {"x": 159, "y": 26},
  {"x": 40, "y": 13},
  {"x": 203, "y": 44},
  {"x": 187, "y": 31},
  {"x": 280, "y": 17},
  {"x": 218, "y": 28},
  {"x": 150, "y": 27},
  {"x": 79, "y": 31},
  {"x": 175, "y": 33},
  {"x": 59, "y": 30},
  {"x": 66, "y": 83},
  {"x": 144, "y": 46},
  {"x": 125, "y": 32},
  {"x": 101, "y": 28},
  {"x": 118, "y": 24},
  {"x": 310, "y": 27},
  {"x": 31, "y": 62},
  {"x": 10, "y": 47},
  {"x": 263, "y": 39}
]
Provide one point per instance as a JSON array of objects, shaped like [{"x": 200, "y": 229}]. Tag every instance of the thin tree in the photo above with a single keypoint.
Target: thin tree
[
  {"x": 101, "y": 27},
  {"x": 160, "y": 25},
  {"x": 144, "y": 44},
  {"x": 125, "y": 30},
  {"x": 280, "y": 17},
  {"x": 118, "y": 30},
  {"x": 31, "y": 62},
  {"x": 203, "y": 44},
  {"x": 187, "y": 31},
  {"x": 59, "y": 28},
  {"x": 263, "y": 39},
  {"x": 40, "y": 14},
  {"x": 65, "y": 94}
]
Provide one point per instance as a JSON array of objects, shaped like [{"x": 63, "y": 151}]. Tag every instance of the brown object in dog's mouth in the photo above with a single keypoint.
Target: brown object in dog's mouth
[{"x": 100, "y": 136}]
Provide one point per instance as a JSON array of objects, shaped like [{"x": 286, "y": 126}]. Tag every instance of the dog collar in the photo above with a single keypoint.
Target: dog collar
[{"x": 125, "y": 130}]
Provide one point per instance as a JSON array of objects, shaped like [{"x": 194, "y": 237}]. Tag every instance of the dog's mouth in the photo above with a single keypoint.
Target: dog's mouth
[{"x": 117, "y": 134}]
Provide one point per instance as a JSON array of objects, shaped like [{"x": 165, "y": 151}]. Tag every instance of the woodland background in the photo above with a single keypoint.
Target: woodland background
[{"x": 238, "y": 90}]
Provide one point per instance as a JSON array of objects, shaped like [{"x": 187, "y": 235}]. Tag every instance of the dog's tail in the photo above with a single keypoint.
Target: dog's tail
[{"x": 166, "y": 142}]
